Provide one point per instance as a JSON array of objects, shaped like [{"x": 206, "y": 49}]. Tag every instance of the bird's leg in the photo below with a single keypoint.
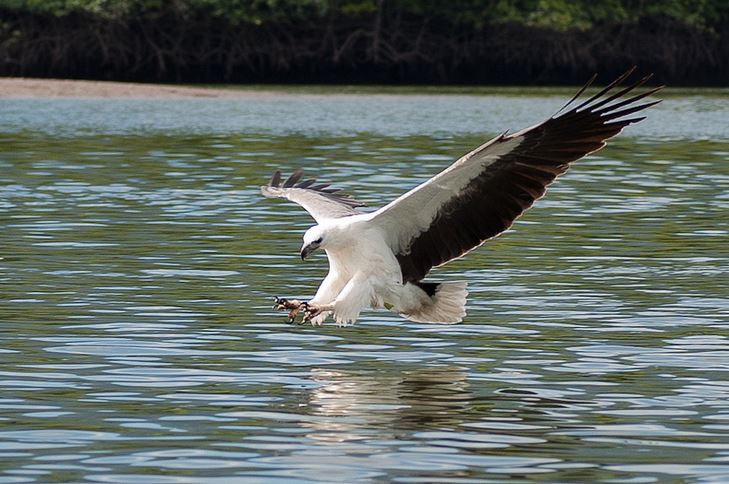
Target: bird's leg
[
  {"x": 293, "y": 306},
  {"x": 313, "y": 310}
]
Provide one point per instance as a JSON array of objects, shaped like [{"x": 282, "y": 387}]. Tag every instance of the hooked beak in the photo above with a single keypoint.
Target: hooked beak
[{"x": 308, "y": 249}]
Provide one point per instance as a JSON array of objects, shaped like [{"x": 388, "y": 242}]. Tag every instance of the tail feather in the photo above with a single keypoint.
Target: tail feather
[{"x": 443, "y": 303}]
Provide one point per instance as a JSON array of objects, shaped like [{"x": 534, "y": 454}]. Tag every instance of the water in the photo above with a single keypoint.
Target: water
[{"x": 138, "y": 260}]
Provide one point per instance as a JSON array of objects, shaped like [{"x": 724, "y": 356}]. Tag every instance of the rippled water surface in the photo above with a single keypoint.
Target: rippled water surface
[{"x": 138, "y": 261}]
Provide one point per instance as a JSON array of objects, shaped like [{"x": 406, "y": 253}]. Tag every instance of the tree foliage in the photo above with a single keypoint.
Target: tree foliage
[{"x": 549, "y": 14}]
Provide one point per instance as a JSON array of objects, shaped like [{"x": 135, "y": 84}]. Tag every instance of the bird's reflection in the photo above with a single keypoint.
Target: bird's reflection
[{"x": 351, "y": 405}]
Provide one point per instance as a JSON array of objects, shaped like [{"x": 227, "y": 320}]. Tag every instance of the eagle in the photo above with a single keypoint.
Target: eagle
[{"x": 379, "y": 259}]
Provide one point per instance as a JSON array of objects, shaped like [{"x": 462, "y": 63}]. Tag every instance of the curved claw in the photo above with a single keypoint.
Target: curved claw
[
  {"x": 310, "y": 311},
  {"x": 305, "y": 307},
  {"x": 278, "y": 303},
  {"x": 283, "y": 304}
]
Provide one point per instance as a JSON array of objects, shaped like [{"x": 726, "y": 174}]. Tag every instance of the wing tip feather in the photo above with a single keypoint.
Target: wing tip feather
[{"x": 274, "y": 189}]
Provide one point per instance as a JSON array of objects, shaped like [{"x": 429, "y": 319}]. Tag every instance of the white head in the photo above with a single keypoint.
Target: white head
[{"x": 314, "y": 238}]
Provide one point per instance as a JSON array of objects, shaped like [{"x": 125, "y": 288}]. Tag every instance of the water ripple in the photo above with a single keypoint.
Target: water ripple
[{"x": 139, "y": 345}]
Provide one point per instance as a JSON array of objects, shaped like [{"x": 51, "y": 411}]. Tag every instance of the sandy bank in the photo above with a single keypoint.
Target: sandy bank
[{"x": 17, "y": 87}]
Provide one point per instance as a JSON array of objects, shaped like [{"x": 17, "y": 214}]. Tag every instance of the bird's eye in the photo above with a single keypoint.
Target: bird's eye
[{"x": 318, "y": 241}]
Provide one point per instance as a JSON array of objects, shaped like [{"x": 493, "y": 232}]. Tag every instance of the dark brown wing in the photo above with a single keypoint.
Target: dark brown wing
[{"x": 481, "y": 194}]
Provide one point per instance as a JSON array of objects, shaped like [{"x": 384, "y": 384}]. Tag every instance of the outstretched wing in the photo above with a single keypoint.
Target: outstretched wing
[
  {"x": 481, "y": 194},
  {"x": 321, "y": 201}
]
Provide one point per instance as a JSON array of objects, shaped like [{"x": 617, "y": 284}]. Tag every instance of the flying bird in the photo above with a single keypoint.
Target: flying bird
[{"x": 380, "y": 258}]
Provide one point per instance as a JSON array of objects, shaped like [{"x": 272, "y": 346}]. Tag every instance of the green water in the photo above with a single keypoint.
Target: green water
[{"x": 138, "y": 262}]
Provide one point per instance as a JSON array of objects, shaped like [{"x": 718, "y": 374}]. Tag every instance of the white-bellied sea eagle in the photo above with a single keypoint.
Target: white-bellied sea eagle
[{"x": 379, "y": 259}]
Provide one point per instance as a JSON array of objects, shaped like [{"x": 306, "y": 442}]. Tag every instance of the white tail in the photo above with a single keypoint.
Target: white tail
[{"x": 447, "y": 305}]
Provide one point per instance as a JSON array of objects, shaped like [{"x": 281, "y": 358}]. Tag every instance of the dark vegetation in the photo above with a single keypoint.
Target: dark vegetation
[{"x": 373, "y": 41}]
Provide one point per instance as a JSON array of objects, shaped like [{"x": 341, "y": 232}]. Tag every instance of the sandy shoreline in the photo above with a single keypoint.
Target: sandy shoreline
[{"x": 18, "y": 87}]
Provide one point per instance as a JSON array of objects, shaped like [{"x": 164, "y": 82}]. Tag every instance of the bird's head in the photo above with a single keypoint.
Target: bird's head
[{"x": 314, "y": 239}]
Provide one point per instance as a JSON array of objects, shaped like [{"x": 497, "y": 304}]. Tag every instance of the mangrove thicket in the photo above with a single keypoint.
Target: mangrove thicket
[{"x": 365, "y": 41}]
